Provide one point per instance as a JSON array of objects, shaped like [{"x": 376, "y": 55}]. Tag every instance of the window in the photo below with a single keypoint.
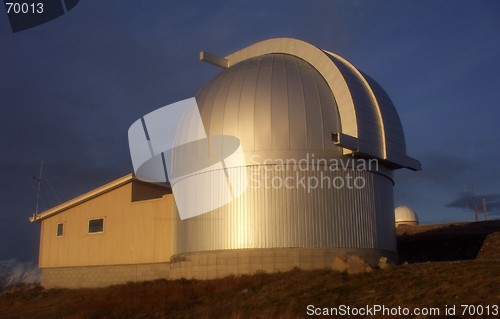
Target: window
[
  {"x": 60, "y": 230},
  {"x": 96, "y": 225}
]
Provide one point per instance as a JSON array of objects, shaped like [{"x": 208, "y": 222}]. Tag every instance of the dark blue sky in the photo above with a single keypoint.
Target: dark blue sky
[{"x": 70, "y": 88}]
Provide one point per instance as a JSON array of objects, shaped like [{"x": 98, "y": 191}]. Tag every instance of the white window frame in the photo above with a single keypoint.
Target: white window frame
[{"x": 97, "y": 232}]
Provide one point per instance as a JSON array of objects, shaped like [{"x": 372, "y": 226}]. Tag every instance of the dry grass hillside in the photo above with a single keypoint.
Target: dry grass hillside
[{"x": 453, "y": 264}]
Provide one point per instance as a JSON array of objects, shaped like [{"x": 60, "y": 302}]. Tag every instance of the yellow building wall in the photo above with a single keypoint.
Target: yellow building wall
[{"x": 134, "y": 232}]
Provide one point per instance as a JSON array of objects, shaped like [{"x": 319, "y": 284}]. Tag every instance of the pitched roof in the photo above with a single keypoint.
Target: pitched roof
[{"x": 83, "y": 198}]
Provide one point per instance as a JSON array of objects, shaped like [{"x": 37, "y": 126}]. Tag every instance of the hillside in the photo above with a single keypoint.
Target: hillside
[
  {"x": 450, "y": 264},
  {"x": 14, "y": 273}
]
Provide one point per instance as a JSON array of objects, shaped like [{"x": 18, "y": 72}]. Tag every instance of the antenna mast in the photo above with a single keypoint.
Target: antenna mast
[
  {"x": 484, "y": 209},
  {"x": 39, "y": 180}
]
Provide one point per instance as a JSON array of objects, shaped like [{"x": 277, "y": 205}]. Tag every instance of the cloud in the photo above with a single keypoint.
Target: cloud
[{"x": 470, "y": 200}]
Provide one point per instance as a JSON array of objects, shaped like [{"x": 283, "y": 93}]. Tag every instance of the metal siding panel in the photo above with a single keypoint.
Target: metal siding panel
[
  {"x": 313, "y": 111},
  {"x": 392, "y": 123},
  {"x": 279, "y": 101},
  {"x": 232, "y": 103},
  {"x": 330, "y": 113},
  {"x": 296, "y": 105},
  {"x": 206, "y": 97},
  {"x": 263, "y": 130},
  {"x": 219, "y": 105},
  {"x": 292, "y": 217},
  {"x": 386, "y": 233},
  {"x": 366, "y": 112},
  {"x": 246, "y": 119}
]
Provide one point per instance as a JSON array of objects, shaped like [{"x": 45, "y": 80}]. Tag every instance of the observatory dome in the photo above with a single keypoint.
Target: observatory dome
[
  {"x": 405, "y": 216},
  {"x": 275, "y": 104},
  {"x": 287, "y": 101}
]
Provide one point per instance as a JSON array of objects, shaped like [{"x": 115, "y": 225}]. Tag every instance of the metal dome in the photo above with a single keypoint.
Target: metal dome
[
  {"x": 275, "y": 104},
  {"x": 404, "y": 215},
  {"x": 343, "y": 102}
]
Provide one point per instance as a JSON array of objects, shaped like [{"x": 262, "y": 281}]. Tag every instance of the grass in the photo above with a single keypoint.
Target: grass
[
  {"x": 427, "y": 281},
  {"x": 281, "y": 295}
]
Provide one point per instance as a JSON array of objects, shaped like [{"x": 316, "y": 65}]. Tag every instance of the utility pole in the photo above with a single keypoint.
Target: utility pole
[{"x": 484, "y": 209}]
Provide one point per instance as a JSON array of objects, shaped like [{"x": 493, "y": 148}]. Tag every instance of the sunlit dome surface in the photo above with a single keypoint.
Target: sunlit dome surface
[
  {"x": 275, "y": 102},
  {"x": 404, "y": 215},
  {"x": 286, "y": 94}
]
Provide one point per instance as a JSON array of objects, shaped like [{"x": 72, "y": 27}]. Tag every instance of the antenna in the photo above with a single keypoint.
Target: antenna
[
  {"x": 471, "y": 200},
  {"x": 484, "y": 209},
  {"x": 42, "y": 178},
  {"x": 467, "y": 197},
  {"x": 39, "y": 180}
]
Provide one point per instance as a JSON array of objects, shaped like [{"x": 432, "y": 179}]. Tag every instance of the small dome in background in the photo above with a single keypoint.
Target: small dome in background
[{"x": 405, "y": 216}]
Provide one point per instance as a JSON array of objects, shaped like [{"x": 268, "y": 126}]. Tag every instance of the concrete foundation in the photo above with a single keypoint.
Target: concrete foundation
[
  {"x": 206, "y": 265},
  {"x": 101, "y": 276}
]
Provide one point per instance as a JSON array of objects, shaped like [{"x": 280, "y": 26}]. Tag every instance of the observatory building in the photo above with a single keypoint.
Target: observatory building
[
  {"x": 320, "y": 140},
  {"x": 289, "y": 102},
  {"x": 405, "y": 216}
]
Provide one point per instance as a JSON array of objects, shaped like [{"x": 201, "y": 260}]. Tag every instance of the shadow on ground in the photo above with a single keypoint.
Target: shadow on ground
[{"x": 450, "y": 242}]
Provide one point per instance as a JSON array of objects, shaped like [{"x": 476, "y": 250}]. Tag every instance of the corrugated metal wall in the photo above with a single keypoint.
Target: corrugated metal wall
[{"x": 271, "y": 217}]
